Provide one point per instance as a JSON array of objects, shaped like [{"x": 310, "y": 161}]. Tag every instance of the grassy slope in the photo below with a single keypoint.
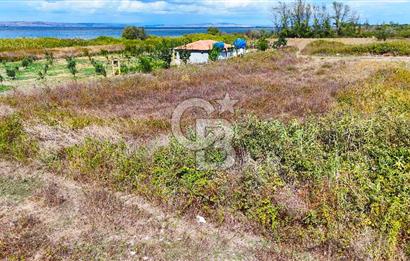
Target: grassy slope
[
  {"x": 336, "y": 182},
  {"x": 322, "y": 47}
]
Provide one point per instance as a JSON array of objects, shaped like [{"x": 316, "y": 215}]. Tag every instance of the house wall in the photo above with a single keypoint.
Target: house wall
[{"x": 203, "y": 57}]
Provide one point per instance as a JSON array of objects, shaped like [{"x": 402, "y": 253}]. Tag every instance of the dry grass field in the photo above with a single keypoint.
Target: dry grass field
[{"x": 90, "y": 170}]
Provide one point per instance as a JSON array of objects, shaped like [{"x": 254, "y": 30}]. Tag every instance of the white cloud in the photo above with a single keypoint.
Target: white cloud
[
  {"x": 212, "y": 7},
  {"x": 155, "y": 6}
]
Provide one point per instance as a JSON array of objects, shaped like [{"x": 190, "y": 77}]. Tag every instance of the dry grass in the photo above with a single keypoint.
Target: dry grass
[
  {"x": 262, "y": 82},
  {"x": 69, "y": 220}
]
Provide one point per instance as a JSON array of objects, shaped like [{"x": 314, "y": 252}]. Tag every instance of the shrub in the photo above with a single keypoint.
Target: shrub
[
  {"x": 213, "y": 30},
  {"x": 26, "y": 62},
  {"x": 133, "y": 33},
  {"x": 280, "y": 42},
  {"x": 145, "y": 64},
  {"x": 14, "y": 142},
  {"x": 262, "y": 44},
  {"x": 72, "y": 65},
  {"x": 11, "y": 72},
  {"x": 43, "y": 73},
  {"x": 99, "y": 68}
]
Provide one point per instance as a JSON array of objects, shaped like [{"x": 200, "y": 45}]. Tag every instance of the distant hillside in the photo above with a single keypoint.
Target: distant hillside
[
  {"x": 99, "y": 25},
  {"x": 52, "y": 24}
]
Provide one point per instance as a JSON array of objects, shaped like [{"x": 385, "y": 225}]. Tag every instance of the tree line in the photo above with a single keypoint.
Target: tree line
[{"x": 303, "y": 19}]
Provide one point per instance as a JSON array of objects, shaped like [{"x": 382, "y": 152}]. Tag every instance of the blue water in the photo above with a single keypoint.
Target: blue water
[{"x": 89, "y": 33}]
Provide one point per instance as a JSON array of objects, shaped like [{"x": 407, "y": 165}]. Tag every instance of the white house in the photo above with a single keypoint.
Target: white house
[{"x": 199, "y": 52}]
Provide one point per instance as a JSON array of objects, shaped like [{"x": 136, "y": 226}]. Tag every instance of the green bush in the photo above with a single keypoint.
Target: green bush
[
  {"x": 145, "y": 63},
  {"x": 99, "y": 68},
  {"x": 72, "y": 65},
  {"x": 262, "y": 44},
  {"x": 26, "y": 62},
  {"x": 11, "y": 72},
  {"x": 15, "y": 144},
  {"x": 280, "y": 42}
]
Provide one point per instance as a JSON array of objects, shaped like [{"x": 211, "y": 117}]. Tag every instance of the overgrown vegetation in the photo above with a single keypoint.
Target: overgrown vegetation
[
  {"x": 14, "y": 141},
  {"x": 334, "y": 180},
  {"x": 323, "y": 47},
  {"x": 347, "y": 165}
]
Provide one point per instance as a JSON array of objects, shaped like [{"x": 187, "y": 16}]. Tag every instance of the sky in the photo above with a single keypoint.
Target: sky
[{"x": 181, "y": 12}]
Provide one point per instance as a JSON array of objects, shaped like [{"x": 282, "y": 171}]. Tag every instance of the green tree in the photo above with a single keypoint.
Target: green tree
[
  {"x": 1, "y": 78},
  {"x": 133, "y": 33},
  {"x": 184, "y": 55},
  {"x": 382, "y": 33},
  {"x": 43, "y": 72},
  {"x": 164, "y": 53},
  {"x": 214, "y": 54},
  {"x": 72, "y": 65},
  {"x": 213, "y": 30}
]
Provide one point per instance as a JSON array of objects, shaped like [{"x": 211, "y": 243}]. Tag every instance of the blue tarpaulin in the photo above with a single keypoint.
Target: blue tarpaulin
[
  {"x": 219, "y": 45},
  {"x": 240, "y": 43}
]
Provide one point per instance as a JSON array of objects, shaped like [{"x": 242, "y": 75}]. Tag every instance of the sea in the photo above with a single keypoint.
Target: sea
[{"x": 94, "y": 32}]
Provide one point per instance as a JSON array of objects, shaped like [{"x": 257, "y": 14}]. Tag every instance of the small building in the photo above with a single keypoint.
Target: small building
[{"x": 199, "y": 52}]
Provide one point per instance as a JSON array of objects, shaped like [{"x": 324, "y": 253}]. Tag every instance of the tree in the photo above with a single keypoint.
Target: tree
[
  {"x": 72, "y": 65},
  {"x": 104, "y": 53},
  {"x": 43, "y": 73},
  {"x": 213, "y": 30},
  {"x": 341, "y": 14},
  {"x": 1, "y": 78},
  {"x": 164, "y": 53},
  {"x": 382, "y": 33},
  {"x": 214, "y": 53},
  {"x": 184, "y": 55},
  {"x": 49, "y": 57},
  {"x": 133, "y": 33}
]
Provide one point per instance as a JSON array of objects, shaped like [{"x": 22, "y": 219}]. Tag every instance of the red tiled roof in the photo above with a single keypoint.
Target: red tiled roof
[{"x": 202, "y": 45}]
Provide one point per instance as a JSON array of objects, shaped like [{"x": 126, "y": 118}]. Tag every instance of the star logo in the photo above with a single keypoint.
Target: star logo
[{"x": 227, "y": 104}]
